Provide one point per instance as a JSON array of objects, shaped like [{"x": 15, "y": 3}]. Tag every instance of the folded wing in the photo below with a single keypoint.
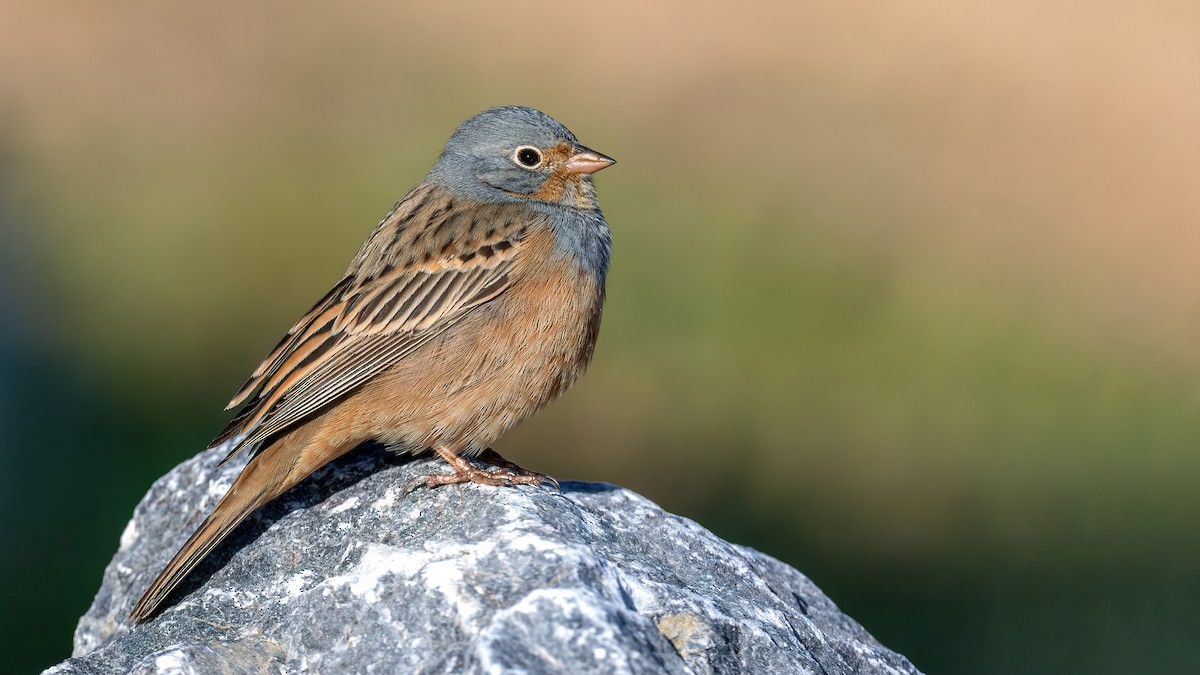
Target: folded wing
[{"x": 364, "y": 326}]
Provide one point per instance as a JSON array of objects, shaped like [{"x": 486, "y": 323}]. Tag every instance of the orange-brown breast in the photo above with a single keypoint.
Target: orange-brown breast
[{"x": 502, "y": 363}]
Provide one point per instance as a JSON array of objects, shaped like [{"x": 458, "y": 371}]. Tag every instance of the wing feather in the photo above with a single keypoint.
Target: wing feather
[
  {"x": 289, "y": 341},
  {"x": 364, "y": 326}
]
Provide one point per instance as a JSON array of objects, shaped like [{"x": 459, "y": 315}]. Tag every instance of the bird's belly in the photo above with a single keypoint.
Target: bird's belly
[{"x": 502, "y": 363}]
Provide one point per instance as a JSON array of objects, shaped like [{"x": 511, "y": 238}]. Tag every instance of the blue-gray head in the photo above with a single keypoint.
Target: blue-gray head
[{"x": 514, "y": 153}]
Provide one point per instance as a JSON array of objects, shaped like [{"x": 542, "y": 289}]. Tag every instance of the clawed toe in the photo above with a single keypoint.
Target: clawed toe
[
  {"x": 413, "y": 484},
  {"x": 492, "y": 457}
]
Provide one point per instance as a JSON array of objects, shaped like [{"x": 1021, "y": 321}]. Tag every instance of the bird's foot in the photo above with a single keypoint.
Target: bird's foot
[
  {"x": 506, "y": 473},
  {"x": 492, "y": 457}
]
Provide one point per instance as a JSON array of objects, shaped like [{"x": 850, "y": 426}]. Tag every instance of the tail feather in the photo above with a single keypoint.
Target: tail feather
[
  {"x": 267, "y": 476},
  {"x": 232, "y": 510}
]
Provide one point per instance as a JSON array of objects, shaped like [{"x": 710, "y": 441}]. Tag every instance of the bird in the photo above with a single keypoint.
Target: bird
[{"x": 474, "y": 303}]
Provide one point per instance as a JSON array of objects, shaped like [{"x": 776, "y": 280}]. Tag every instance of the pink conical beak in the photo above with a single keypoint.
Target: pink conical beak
[{"x": 586, "y": 160}]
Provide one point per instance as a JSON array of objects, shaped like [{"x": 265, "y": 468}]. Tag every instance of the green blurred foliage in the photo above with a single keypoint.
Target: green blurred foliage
[{"x": 908, "y": 303}]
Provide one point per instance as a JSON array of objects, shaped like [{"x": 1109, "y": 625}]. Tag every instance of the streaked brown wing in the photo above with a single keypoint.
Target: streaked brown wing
[
  {"x": 303, "y": 328},
  {"x": 363, "y": 327}
]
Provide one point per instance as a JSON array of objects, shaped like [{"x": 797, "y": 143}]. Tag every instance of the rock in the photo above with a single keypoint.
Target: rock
[{"x": 344, "y": 575}]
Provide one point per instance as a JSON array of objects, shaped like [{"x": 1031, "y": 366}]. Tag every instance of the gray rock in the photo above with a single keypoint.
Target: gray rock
[{"x": 343, "y": 575}]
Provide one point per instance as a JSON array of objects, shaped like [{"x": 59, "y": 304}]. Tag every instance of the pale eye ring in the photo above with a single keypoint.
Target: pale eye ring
[{"x": 527, "y": 156}]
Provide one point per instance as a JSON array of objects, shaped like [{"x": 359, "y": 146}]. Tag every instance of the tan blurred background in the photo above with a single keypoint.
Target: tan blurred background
[{"x": 905, "y": 294}]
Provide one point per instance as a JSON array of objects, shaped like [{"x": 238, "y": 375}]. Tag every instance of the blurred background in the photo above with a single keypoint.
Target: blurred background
[{"x": 904, "y": 294}]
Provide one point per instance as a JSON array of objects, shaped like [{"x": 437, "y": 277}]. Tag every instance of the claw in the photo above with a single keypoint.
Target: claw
[{"x": 413, "y": 484}]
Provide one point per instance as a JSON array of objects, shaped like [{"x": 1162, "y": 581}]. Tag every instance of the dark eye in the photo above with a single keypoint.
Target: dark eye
[{"x": 528, "y": 157}]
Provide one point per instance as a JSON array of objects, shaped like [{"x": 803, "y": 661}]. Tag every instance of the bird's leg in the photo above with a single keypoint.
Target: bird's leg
[{"x": 507, "y": 473}]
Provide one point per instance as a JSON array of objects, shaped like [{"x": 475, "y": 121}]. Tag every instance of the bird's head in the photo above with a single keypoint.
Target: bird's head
[{"x": 514, "y": 153}]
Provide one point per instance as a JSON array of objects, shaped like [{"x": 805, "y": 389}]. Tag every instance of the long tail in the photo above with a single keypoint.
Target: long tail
[{"x": 266, "y": 476}]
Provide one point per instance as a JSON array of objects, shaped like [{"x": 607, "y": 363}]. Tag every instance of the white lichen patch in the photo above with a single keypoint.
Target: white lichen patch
[
  {"x": 217, "y": 488},
  {"x": 345, "y": 506},
  {"x": 129, "y": 534},
  {"x": 296, "y": 583},
  {"x": 643, "y": 594},
  {"x": 438, "y": 570},
  {"x": 580, "y": 623},
  {"x": 171, "y": 663},
  {"x": 531, "y": 542},
  {"x": 222, "y": 596},
  {"x": 377, "y": 562},
  {"x": 387, "y": 502}
]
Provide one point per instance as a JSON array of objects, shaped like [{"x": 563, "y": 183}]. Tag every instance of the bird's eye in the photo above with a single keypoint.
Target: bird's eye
[{"x": 527, "y": 156}]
